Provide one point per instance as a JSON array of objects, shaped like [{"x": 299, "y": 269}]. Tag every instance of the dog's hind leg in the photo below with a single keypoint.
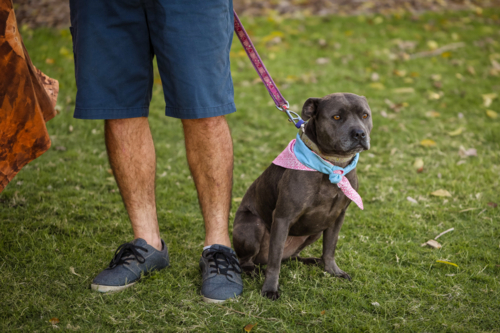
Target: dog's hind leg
[
  {"x": 249, "y": 232},
  {"x": 308, "y": 261}
]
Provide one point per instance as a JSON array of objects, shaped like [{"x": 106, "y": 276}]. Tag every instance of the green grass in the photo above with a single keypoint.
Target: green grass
[{"x": 64, "y": 210}]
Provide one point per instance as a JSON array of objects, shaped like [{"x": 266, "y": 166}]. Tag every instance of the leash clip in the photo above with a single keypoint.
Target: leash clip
[{"x": 294, "y": 118}]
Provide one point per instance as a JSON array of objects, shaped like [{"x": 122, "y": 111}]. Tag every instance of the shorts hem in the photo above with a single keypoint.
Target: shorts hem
[
  {"x": 111, "y": 113},
  {"x": 198, "y": 113}
]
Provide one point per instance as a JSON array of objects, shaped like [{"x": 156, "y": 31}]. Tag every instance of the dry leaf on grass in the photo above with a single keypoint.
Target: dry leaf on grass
[
  {"x": 447, "y": 263},
  {"x": 410, "y": 199},
  {"x": 322, "y": 61},
  {"x": 323, "y": 312},
  {"x": 467, "y": 210},
  {"x": 54, "y": 321},
  {"x": 419, "y": 165},
  {"x": 463, "y": 153},
  {"x": 456, "y": 132},
  {"x": 492, "y": 204},
  {"x": 377, "y": 85},
  {"x": 441, "y": 193},
  {"x": 72, "y": 270},
  {"x": 376, "y": 304},
  {"x": 432, "y": 114},
  {"x": 488, "y": 99},
  {"x": 249, "y": 327},
  {"x": 444, "y": 232},
  {"x": 237, "y": 199},
  {"x": 432, "y": 243},
  {"x": 492, "y": 114},
  {"x": 406, "y": 90},
  {"x": 428, "y": 143}
]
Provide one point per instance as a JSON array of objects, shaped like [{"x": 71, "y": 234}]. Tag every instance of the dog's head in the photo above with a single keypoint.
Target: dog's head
[{"x": 339, "y": 124}]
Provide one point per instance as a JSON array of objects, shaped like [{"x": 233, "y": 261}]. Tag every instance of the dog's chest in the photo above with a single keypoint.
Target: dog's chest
[{"x": 323, "y": 209}]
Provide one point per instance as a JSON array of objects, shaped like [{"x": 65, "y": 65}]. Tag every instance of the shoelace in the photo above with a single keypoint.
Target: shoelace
[
  {"x": 123, "y": 255},
  {"x": 227, "y": 262}
]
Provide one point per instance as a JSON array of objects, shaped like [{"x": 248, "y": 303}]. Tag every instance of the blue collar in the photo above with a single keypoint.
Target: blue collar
[{"x": 313, "y": 161}]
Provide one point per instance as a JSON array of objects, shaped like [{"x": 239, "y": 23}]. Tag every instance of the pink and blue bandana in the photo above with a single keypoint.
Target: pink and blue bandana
[{"x": 288, "y": 159}]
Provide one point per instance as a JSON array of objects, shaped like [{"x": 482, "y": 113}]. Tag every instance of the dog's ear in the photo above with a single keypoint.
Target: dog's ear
[{"x": 310, "y": 107}]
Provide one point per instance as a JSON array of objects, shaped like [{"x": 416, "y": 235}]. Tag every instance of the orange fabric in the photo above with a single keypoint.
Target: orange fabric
[{"x": 27, "y": 101}]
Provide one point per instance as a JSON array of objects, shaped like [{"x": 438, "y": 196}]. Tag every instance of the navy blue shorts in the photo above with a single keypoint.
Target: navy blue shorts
[{"x": 114, "y": 42}]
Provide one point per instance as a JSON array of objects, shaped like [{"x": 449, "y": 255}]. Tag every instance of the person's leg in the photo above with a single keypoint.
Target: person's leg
[
  {"x": 132, "y": 157},
  {"x": 209, "y": 151}
]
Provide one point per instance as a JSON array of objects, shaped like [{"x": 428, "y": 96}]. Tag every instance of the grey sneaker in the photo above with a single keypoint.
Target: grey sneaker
[
  {"x": 221, "y": 274},
  {"x": 130, "y": 261}
]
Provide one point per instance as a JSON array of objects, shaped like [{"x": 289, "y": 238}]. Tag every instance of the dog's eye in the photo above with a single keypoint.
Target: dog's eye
[
  {"x": 336, "y": 117},
  {"x": 365, "y": 116}
]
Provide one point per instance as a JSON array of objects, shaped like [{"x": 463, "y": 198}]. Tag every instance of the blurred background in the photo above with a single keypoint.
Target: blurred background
[{"x": 55, "y": 13}]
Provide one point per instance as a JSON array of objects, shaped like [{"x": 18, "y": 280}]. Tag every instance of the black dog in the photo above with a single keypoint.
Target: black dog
[{"x": 285, "y": 210}]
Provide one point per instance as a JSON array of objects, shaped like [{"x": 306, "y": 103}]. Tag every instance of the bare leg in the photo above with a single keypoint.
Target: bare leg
[
  {"x": 209, "y": 151},
  {"x": 132, "y": 157}
]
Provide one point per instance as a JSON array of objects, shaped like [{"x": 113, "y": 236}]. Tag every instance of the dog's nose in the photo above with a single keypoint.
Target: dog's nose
[{"x": 358, "y": 134}]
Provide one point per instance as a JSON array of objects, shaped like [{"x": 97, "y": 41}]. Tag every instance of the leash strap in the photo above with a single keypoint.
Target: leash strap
[{"x": 281, "y": 103}]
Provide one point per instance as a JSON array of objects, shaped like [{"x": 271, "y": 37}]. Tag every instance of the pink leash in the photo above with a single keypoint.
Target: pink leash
[{"x": 281, "y": 103}]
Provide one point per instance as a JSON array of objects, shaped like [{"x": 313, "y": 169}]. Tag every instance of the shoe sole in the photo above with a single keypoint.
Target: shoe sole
[
  {"x": 211, "y": 300},
  {"x": 106, "y": 289}
]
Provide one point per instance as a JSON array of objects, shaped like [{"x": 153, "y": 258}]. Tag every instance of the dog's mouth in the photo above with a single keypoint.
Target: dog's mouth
[{"x": 358, "y": 147}]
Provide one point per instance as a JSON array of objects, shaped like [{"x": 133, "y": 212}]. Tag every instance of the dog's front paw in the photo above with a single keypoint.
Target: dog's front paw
[
  {"x": 337, "y": 272},
  {"x": 343, "y": 275},
  {"x": 272, "y": 295}
]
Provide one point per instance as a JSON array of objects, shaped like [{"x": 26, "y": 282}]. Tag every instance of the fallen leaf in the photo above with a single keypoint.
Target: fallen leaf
[
  {"x": 375, "y": 77},
  {"x": 488, "y": 99},
  {"x": 427, "y": 143},
  {"x": 237, "y": 199},
  {"x": 456, "y": 132},
  {"x": 54, "y": 321},
  {"x": 444, "y": 232},
  {"x": 249, "y": 327},
  {"x": 432, "y": 44},
  {"x": 377, "y": 85},
  {"x": 410, "y": 199},
  {"x": 323, "y": 312},
  {"x": 434, "y": 95},
  {"x": 70, "y": 128},
  {"x": 461, "y": 162},
  {"x": 400, "y": 73},
  {"x": 49, "y": 61},
  {"x": 72, "y": 270},
  {"x": 467, "y": 210},
  {"x": 322, "y": 61},
  {"x": 436, "y": 77},
  {"x": 492, "y": 114},
  {"x": 447, "y": 263},
  {"x": 376, "y": 304},
  {"x": 441, "y": 193},
  {"x": 406, "y": 90},
  {"x": 471, "y": 70},
  {"x": 463, "y": 153},
  {"x": 432, "y": 243},
  {"x": 492, "y": 204},
  {"x": 419, "y": 164},
  {"x": 432, "y": 114}
]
